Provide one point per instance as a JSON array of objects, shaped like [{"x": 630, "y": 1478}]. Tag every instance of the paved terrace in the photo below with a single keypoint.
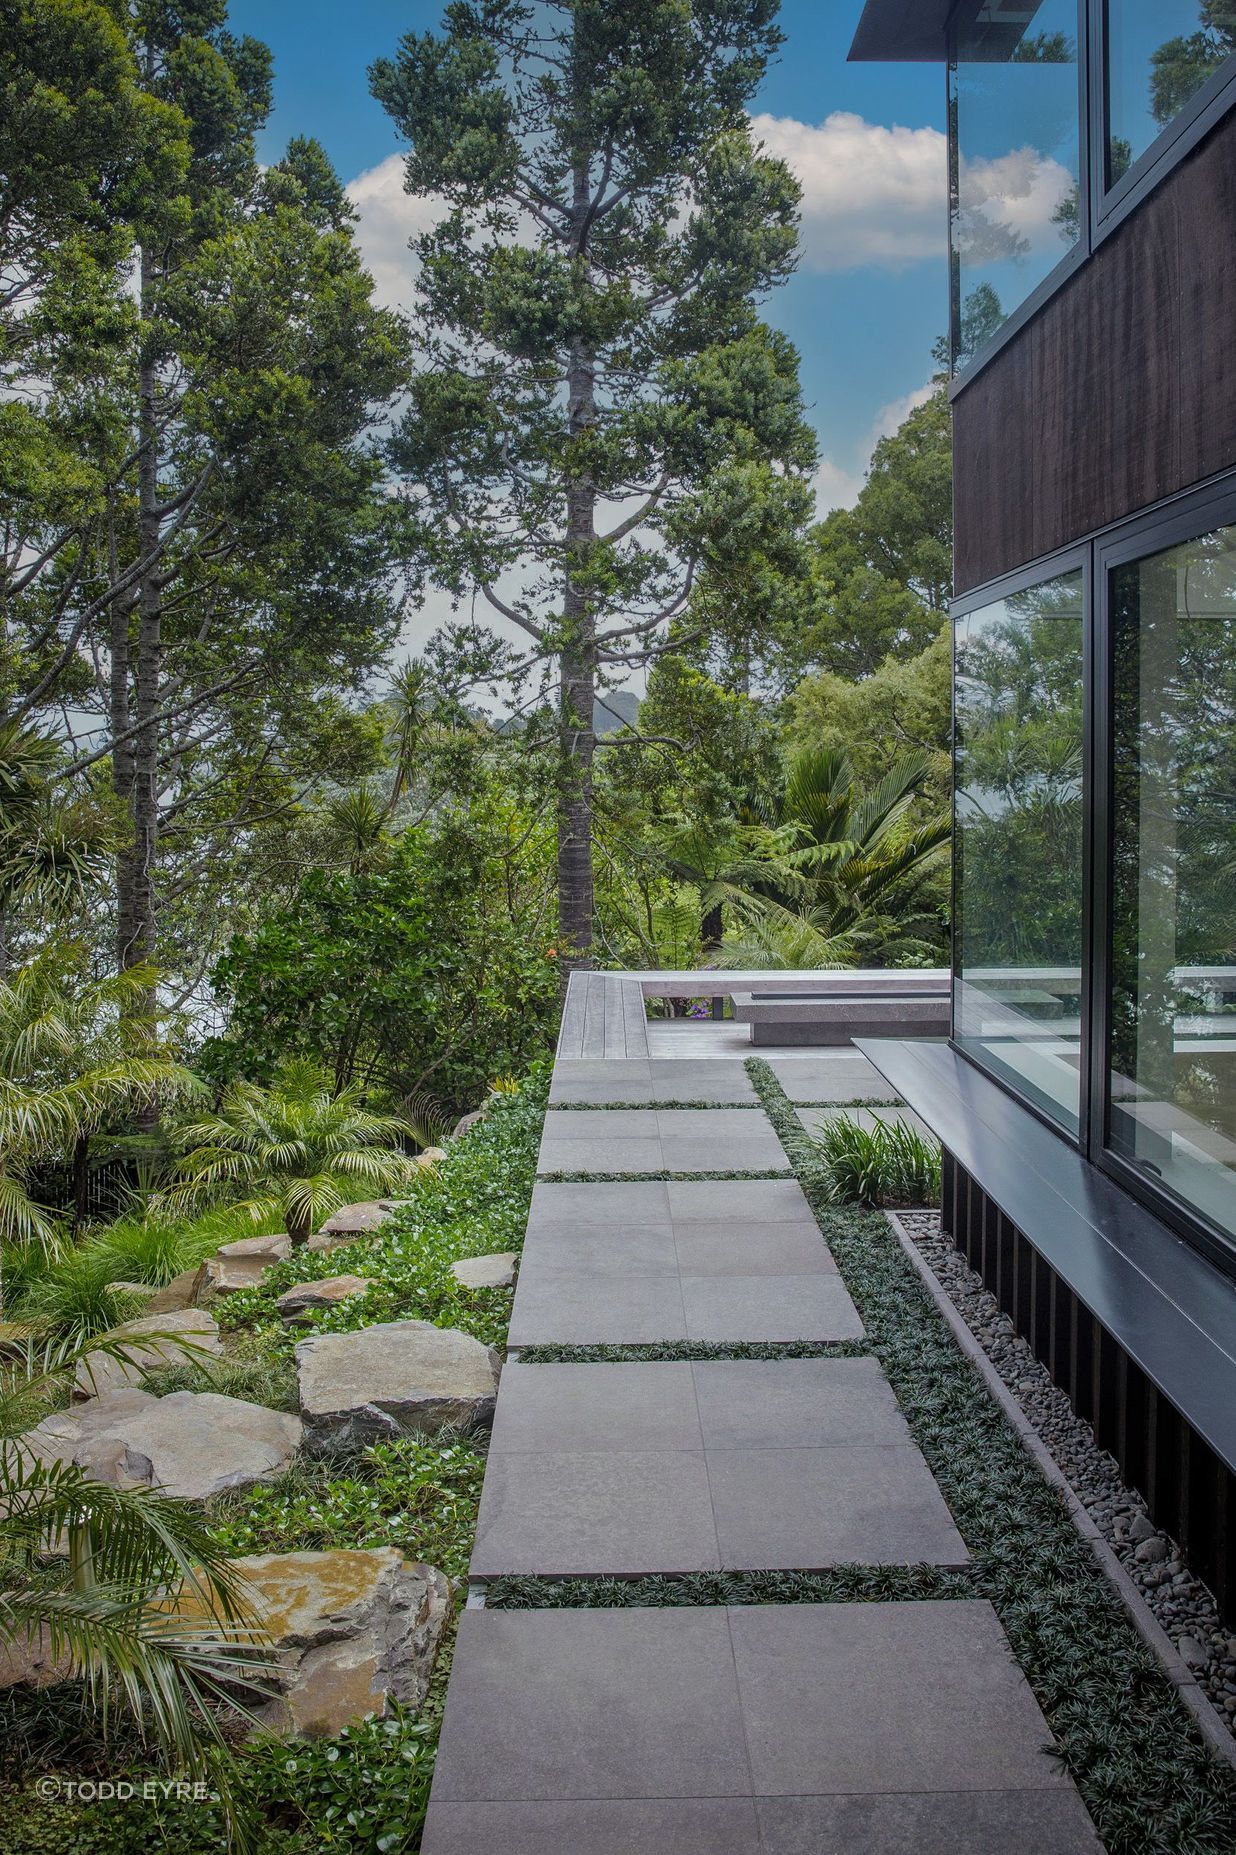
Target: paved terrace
[{"x": 764, "y": 1729}]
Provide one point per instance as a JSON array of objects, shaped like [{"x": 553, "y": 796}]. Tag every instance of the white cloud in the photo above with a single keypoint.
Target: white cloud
[
  {"x": 1007, "y": 205},
  {"x": 871, "y": 194},
  {"x": 837, "y": 485},
  {"x": 389, "y": 217}
]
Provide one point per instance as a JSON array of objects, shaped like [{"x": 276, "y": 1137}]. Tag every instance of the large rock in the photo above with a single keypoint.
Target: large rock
[
  {"x": 243, "y": 1264},
  {"x": 398, "y": 1378},
  {"x": 99, "y": 1372},
  {"x": 485, "y": 1271},
  {"x": 181, "y": 1292},
  {"x": 466, "y": 1122},
  {"x": 308, "y": 1297},
  {"x": 351, "y": 1631},
  {"x": 191, "y": 1444},
  {"x": 356, "y": 1220}
]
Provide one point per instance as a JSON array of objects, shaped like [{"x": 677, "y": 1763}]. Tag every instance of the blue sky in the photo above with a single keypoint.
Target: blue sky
[{"x": 870, "y": 296}]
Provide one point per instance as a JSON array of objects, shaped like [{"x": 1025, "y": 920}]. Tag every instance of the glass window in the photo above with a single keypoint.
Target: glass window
[
  {"x": 1173, "y": 1051},
  {"x": 1159, "y": 53},
  {"x": 1017, "y": 987},
  {"x": 1015, "y": 127}
]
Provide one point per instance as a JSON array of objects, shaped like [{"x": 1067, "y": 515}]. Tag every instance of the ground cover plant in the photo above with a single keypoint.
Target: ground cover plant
[
  {"x": 1125, "y": 1738},
  {"x": 365, "y": 1792},
  {"x": 887, "y": 1163}
]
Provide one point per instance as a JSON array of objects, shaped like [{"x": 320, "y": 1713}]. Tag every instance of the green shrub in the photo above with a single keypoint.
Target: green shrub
[
  {"x": 76, "y": 1296},
  {"x": 419, "y": 1496},
  {"x": 887, "y": 1163},
  {"x": 473, "y": 1204}
]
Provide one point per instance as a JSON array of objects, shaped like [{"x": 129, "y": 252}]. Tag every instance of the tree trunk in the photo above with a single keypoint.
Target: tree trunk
[
  {"x": 712, "y": 926},
  {"x": 138, "y": 939},
  {"x": 81, "y": 1181},
  {"x": 578, "y": 662}
]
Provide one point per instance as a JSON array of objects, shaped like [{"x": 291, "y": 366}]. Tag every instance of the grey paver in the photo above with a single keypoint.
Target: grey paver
[
  {"x": 707, "y": 1080},
  {"x": 598, "y": 1407},
  {"x": 840, "y": 1077},
  {"x": 562, "y": 1704},
  {"x": 611, "y": 1513},
  {"x": 668, "y": 1140},
  {"x": 577, "y": 1307},
  {"x": 737, "y": 1249},
  {"x": 926, "y": 1823},
  {"x": 640, "y": 1081},
  {"x": 880, "y": 1729},
  {"x": 611, "y": 1469},
  {"x": 609, "y": 1826},
  {"x": 780, "y": 1509},
  {"x": 886, "y": 1697},
  {"x": 567, "y": 1205},
  {"x": 769, "y": 1307},
  {"x": 755, "y": 1201},
  {"x": 630, "y": 1249},
  {"x": 789, "y": 1403}
]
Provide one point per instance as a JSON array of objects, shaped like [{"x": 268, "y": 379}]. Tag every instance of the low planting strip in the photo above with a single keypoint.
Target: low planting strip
[
  {"x": 842, "y": 1584},
  {"x": 697, "y": 1351},
  {"x": 655, "y": 1178},
  {"x": 1124, "y": 1734}
]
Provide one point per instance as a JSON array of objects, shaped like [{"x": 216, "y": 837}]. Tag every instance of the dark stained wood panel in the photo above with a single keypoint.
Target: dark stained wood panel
[{"x": 1121, "y": 391}]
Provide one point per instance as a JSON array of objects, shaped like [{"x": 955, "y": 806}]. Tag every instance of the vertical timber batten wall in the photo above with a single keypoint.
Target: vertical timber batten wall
[{"x": 1189, "y": 1492}]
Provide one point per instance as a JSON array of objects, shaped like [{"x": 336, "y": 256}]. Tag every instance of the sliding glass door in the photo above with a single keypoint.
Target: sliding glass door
[
  {"x": 1172, "y": 929},
  {"x": 1019, "y": 820}
]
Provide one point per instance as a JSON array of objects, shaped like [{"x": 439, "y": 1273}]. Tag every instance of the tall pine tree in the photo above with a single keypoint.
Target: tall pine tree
[{"x": 600, "y": 418}]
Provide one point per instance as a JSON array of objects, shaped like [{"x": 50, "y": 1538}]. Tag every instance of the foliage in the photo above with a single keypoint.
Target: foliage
[
  {"x": 886, "y": 1162},
  {"x": 294, "y": 1147},
  {"x": 599, "y": 420},
  {"x": 474, "y": 1203},
  {"x": 881, "y": 574},
  {"x": 118, "y": 1550},
  {"x": 424, "y": 975},
  {"x": 73, "y": 1053},
  {"x": 856, "y": 873},
  {"x": 419, "y": 1496},
  {"x": 904, "y": 706}
]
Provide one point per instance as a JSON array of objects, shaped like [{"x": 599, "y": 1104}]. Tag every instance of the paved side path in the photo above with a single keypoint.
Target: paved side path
[{"x": 761, "y": 1729}]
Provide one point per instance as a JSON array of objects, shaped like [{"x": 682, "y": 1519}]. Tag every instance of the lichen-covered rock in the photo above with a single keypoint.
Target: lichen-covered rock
[
  {"x": 398, "y": 1378},
  {"x": 187, "y": 1336},
  {"x": 356, "y": 1220},
  {"x": 431, "y": 1157},
  {"x": 181, "y": 1292},
  {"x": 467, "y": 1121},
  {"x": 485, "y": 1271},
  {"x": 350, "y": 1632},
  {"x": 191, "y": 1444},
  {"x": 307, "y": 1297},
  {"x": 243, "y": 1264}
]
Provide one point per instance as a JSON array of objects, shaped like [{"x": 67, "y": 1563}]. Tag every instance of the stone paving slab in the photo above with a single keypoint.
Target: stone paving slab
[
  {"x": 841, "y": 1077},
  {"x": 630, "y": 1080},
  {"x": 634, "y": 1262},
  {"x": 660, "y": 1140},
  {"x": 922, "y": 1823},
  {"x": 671, "y": 1467},
  {"x": 908, "y": 1725}
]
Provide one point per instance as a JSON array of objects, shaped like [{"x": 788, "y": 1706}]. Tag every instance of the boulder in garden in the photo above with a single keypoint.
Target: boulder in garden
[
  {"x": 243, "y": 1264},
  {"x": 398, "y": 1378},
  {"x": 485, "y": 1271},
  {"x": 188, "y": 1336},
  {"x": 190, "y": 1444},
  {"x": 308, "y": 1297}
]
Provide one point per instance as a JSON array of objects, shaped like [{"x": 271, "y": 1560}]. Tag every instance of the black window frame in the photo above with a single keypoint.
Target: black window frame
[
  {"x": 1101, "y": 209},
  {"x": 1176, "y": 519}
]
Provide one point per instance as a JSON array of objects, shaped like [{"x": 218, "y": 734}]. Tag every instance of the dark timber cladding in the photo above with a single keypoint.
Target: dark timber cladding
[{"x": 1120, "y": 392}]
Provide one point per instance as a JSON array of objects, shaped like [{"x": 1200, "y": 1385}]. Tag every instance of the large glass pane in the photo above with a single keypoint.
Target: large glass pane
[
  {"x": 1159, "y": 53},
  {"x": 1014, "y": 119},
  {"x": 1018, "y": 932},
  {"x": 1173, "y": 1056}
]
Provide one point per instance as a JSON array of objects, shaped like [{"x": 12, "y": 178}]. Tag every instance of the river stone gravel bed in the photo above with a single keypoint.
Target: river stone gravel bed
[{"x": 1180, "y": 1602}]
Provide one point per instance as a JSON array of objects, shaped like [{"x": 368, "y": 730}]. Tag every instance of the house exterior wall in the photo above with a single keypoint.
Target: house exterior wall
[{"x": 1119, "y": 393}]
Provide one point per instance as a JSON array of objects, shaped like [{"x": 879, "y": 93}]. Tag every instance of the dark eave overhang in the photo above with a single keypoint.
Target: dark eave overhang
[{"x": 901, "y": 32}]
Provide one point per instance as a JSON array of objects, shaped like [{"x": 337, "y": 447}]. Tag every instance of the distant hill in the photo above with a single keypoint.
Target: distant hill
[{"x": 617, "y": 708}]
